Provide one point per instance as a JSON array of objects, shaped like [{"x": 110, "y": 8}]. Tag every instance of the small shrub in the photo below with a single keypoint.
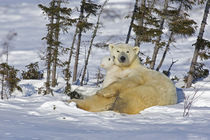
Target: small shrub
[
  {"x": 32, "y": 72},
  {"x": 74, "y": 95},
  {"x": 200, "y": 72},
  {"x": 9, "y": 80}
]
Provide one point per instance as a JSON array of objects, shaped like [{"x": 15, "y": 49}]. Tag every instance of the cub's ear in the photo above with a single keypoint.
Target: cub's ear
[
  {"x": 136, "y": 50},
  {"x": 111, "y": 46}
]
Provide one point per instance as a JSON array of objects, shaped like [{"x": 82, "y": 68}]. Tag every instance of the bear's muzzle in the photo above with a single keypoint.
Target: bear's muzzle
[{"x": 123, "y": 58}]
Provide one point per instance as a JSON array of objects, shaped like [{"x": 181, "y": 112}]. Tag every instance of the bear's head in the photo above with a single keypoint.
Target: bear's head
[
  {"x": 107, "y": 62},
  {"x": 123, "y": 54}
]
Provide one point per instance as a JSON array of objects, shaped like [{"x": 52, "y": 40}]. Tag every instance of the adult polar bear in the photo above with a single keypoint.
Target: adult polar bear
[{"x": 141, "y": 89}]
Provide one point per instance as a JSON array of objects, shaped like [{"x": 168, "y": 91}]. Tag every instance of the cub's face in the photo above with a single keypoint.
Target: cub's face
[
  {"x": 123, "y": 54},
  {"x": 107, "y": 62}
]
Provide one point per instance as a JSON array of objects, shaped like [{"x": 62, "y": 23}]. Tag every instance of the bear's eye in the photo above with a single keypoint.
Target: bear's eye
[
  {"x": 118, "y": 51},
  {"x": 127, "y": 51},
  {"x": 109, "y": 59}
]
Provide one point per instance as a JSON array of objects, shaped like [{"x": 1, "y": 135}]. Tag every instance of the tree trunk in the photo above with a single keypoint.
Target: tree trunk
[
  {"x": 49, "y": 54},
  {"x": 79, "y": 42},
  {"x": 48, "y": 90},
  {"x": 196, "y": 51},
  {"x": 169, "y": 42},
  {"x": 91, "y": 42},
  {"x": 140, "y": 23},
  {"x": 55, "y": 51},
  {"x": 67, "y": 71},
  {"x": 157, "y": 47},
  {"x": 165, "y": 52},
  {"x": 131, "y": 23},
  {"x": 71, "y": 49},
  {"x": 77, "y": 56},
  {"x": 2, "y": 87}
]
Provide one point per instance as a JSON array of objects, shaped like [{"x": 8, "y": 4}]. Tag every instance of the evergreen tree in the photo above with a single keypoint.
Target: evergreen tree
[
  {"x": 202, "y": 47},
  {"x": 80, "y": 28},
  {"x": 139, "y": 16},
  {"x": 9, "y": 80},
  {"x": 82, "y": 25},
  {"x": 132, "y": 20},
  {"x": 158, "y": 43},
  {"x": 91, "y": 42},
  {"x": 67, "y": 72},
  {"x": 147, "y": 24},
  {"x": 4, "y": 68},
  {"x": 59, "y": 17},
  {"x": 32, "y": 72},
  {"x": 12, "y": 80},
  {"x": 57, "y": 42},
  {"x": 86, "y": 9},
  {"x": 49, "y": 38},
  {"x": 179, "y": 24}
]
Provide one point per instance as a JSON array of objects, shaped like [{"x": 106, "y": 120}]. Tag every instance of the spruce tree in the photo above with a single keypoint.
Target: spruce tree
[
  {"x": 132, "y": 20},
  {"x": 91, "y": 42},
  {"x": 80, "y": 28},
  {"x": 179, "y": 24},
  {"x": 9, "y": 80},
  {"x": 82, "y": 25},
  {"x": 59, "y": 18},
  {"x": 63, "y": 20},
  {"x": 86, "y": 9},
  {"x": 140, "y": 15},
  {"x": 12, "y": 80},
  {"x": 57, "y": 42},
  {"x": 146, "y": 26},
  {"x": 158, "y": 43},
  {"x": 32, "y": 72},
  {"x": 49, "y": 38},
  {"x": 4, "y": 68},
  {"x": 202, "y": 47},
  {"x": 67, "y": 72}
]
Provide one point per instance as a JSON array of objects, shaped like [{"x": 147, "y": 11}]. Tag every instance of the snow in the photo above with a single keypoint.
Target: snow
[
  {"x": 28, "y": 115},
  {"x": 38, "y": 117}
]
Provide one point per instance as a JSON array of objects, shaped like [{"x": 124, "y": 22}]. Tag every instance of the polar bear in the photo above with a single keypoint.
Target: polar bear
[
  {"x": 113, "y": 72},
  {"x": 141, "y": 89}
]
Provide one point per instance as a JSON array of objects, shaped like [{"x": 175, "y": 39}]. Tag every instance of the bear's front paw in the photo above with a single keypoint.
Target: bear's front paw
[{"x": 106, "y": 93}]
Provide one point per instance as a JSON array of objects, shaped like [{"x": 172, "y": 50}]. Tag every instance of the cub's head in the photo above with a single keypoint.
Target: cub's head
[
  {"x": 123, "y": 54},
  {"x": 107, "y": 62}
]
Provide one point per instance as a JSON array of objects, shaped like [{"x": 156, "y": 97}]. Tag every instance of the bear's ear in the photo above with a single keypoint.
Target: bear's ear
[
  {"x": 111, "y": 46},
  {"x": 136, "y": 50}
]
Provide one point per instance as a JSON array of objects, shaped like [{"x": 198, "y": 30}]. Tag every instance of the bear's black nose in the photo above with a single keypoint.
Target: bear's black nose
[{"x": 122, "y": 58}]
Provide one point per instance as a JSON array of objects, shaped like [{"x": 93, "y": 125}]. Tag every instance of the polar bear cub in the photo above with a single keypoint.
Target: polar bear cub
[{"x": 113, "y": 72}]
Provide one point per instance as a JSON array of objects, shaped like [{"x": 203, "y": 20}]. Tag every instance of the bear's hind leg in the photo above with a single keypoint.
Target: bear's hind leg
[
  {"x": 95, "y": 103},
  {"x": 134, "y": 100}
]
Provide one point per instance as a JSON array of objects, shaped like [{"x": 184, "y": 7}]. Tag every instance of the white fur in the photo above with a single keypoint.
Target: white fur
[{"x": 113, "y": 72}]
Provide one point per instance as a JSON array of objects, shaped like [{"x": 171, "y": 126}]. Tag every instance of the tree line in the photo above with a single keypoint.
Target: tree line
[
  {"x": 148, "y": 21},
  {"x": 60, "y": 18}
]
